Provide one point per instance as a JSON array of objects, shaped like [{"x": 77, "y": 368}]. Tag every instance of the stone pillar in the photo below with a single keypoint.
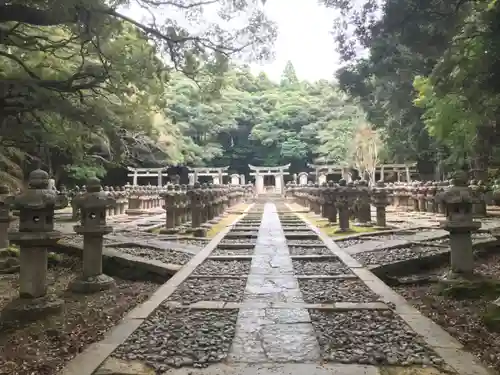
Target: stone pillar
[
  {"x": 93, "y": 227},
  {"x": 191, "y": 179},
  {"x": 408, "y": 177},
  {"x": 216, "y": 180},
  {"x": 277, "y": 182},
  {"x": 259, "y": 183},
  {"x": 242, "y": 179},
  {"x": 134, "y": 178},
  {"x": 36, "y": 234},
  {"x": 160, "y": 178},
  {"x": 382, "y": 173}
]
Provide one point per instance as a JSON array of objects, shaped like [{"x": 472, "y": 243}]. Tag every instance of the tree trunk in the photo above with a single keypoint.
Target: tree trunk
[{"x": 482, "y": 152}]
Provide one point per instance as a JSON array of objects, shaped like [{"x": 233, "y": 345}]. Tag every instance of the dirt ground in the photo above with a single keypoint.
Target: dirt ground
[
  {"x": 461, "y": 318},
  {"x": 43, "y": 347}
]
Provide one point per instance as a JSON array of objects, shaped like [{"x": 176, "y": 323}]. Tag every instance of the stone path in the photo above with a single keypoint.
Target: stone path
[
  {"x": 278, "y": 308},
  {"x": 264, "y": 334}
]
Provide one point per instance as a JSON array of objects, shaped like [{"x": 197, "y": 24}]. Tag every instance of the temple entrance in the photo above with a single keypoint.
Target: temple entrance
[
  {"x": 265, "y": 176},
  {"x": 336, "y": 177},
  {"x": 205, "y": 180}
]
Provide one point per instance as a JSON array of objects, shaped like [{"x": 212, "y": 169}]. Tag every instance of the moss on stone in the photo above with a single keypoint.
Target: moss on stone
[
  {"x": 473, "y": 289},
  {"x": 225, "y": 222},
  {"x": 491, "y": 317}
]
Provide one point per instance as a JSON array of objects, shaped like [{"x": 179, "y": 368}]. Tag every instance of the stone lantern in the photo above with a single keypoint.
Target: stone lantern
[
  {"x": 380, "y": 200},
  {"x": 5, "y": 217},
  {"x": 94, "y": 205},
  {"x": 196, "y": 198},
  {"x": 458, "y": 200},
  {"x": 36, "y": 234},
  {"x": 169, "y": 197},
  {"x": 343, "y": 202}
]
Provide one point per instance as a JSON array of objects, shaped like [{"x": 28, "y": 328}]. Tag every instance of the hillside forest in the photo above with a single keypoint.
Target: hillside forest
[{"x": 89, "y": 90}]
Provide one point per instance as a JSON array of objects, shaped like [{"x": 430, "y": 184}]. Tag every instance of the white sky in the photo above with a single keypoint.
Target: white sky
[{"x": 303, "y": 38}]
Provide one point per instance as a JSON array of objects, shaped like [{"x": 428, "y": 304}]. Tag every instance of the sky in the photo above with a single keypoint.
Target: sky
[{"x": 304, "y": 38}]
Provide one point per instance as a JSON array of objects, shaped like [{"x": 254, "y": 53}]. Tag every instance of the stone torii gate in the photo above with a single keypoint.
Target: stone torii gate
[
  {"x": 321, "y": 171},
  {"x": 407, "y": 168},
  {"x": 278, "y": 173},
  {"x": 217, "y": 174},
  {"x": 135, "y": 173}
]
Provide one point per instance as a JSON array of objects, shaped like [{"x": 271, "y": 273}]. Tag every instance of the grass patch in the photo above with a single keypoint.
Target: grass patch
[
  {"x": 330, "y": 230},
  {"x": 215, "y": 229}
]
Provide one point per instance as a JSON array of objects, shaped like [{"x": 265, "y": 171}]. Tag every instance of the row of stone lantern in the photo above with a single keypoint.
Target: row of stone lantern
[
  {"x": 36, "y": 235},
  {"x": 191, "y": 209},
  {"x": 423, "y": 196},
  {"x": 343, "y": 201},
  {"x": 457, "y": 199}
]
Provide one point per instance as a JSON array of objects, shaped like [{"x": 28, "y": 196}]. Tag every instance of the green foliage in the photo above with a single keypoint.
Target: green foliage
[{"x": 430, "y": 78}]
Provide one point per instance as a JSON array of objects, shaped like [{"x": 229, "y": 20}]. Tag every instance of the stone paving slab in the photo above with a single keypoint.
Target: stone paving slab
[{"x": 277, "y": 369}]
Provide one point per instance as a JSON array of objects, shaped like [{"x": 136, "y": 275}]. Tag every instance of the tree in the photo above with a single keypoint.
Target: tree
[{"x": 366, "y": 150}]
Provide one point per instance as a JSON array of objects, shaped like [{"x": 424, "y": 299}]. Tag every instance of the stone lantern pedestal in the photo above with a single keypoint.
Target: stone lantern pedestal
[
  {"x": 36, "y": 234},
  {"x": 94, "y": 205}
]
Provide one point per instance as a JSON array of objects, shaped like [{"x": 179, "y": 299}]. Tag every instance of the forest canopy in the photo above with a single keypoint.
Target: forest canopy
[{"x": 86, "y": 88}]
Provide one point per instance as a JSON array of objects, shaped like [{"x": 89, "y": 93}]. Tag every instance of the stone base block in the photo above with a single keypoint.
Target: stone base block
[
  {"x": 168, "y": 231},
  {"x": 345, "y": 231},
  {"x": 363, "y": 225},
  {"x": 199, "y": 232},
  {"x": 31, "y": 309},
  {"x": 92, "y": 284},
  {"x": 377, "y": 227}
]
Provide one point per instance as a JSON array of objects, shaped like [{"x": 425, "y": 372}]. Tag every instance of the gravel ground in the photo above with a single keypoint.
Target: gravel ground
[
  {"x": 482, "y": 236},
  {"x": 441, "y": 241},
  {"x": 196, "y": 289},
  {"x": 369, "y": 337},
  {"x": 165, "y": 256},
  {"x": 45, "y": 346},
  {"x": 462, "y": 319},
  {"x": 77, "y": 240},
  {"x": 331, "y": 291},
  {"x": 242, "y": 240},
  {"x": 348, "y": 243},
  {"x": 223, "y": 267},
  {"x": 199, "y": 243},
  {"x": 174, "y": 337},
  {"x": 385, "y": 256},
  {"x": 386, "y": 237},
  {"x": 309, "y": 267},
  {"x": 224, "y": 252},
  {"x": 304, "y": 242},
  {"x": 299, "y": 250}
]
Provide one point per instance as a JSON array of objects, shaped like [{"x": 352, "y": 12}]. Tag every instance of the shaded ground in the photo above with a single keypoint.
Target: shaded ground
[
  {"x": 43, "y": 347},
  {"x": 462, "y": 319}
]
